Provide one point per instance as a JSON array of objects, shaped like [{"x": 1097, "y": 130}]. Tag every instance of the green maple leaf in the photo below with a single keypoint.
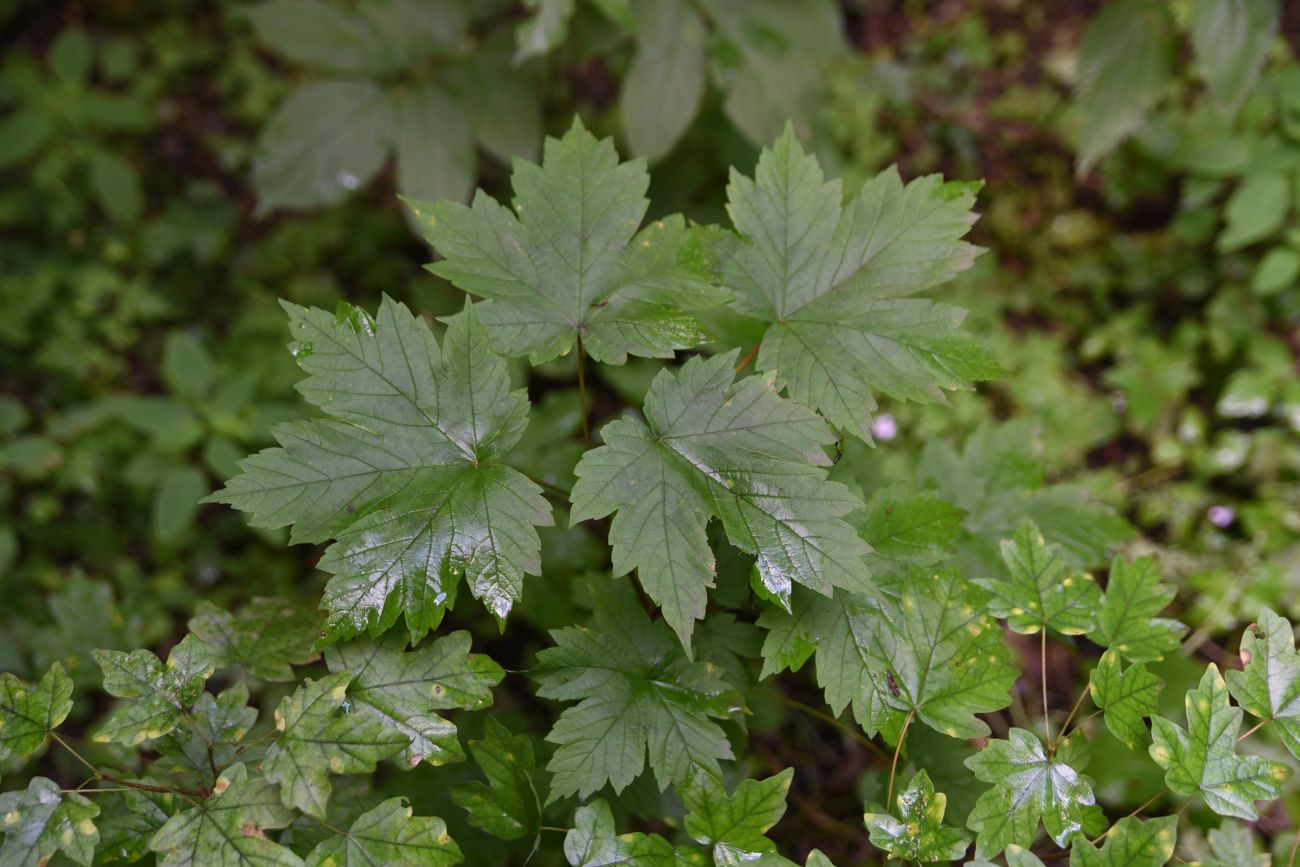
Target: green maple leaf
[
  {"x": 568, "y": 263},
  {"x": 1126, "y": 696},
  {"x": 1042, "y": 591},
  {"x": 1269, "y": 687},
  {"x": 638, "y": 693},
  {"x": 923, "y": 644},
  {"x": 229, "y": 828},
  {"x": 157, "y": 694},
  {"x": 1126, "y": 621},
  {"x": 407, "y": 475},
  {"x": 711, "y": 446},
  {"x": 42, "y": 820},
  {"x": 507, "y": 806},
  {"x": 318, "y": 737},
  {"x": 1203, "y": 757},
  {"x": 218, "y": 725},
  {"x": 906, "y": 530},
  {"x": 918, "y": 834},
  {"x": 1131, "y": 843},
  {"x": 29, "y": 713},
  {"x": 404, "y": 689},
  {"x": 1234, "y": 846},
  {"x": 266, "y": 637},
  {"x": 389, "y": 834},
  {"x": 1028, "y": 785},
  {"x": 835, "y": 284},
  {"x": 734, "y": 825},
  {"x": 592, "y": 842}
]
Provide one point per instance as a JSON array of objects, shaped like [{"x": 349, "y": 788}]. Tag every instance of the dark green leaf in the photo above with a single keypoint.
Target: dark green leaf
[
  {"x": 390, "y": 834},
  {"x": 29, "y": 713},
  {"x": 508, "y": 805},
  {"x": 266, "y": 637},
  {"x": 1126, "y": 697},
  {"x": 157, "y": 694}
]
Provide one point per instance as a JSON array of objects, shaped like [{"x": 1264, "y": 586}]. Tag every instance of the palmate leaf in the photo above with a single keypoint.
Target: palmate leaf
[
  {"x": 1028, "y": 785},
  {"x": 918, "y": 834},
  {"x": 1126, "y": 621},
  {"x": 1234, "y": 846},
  {"x": 404, "y": 689},
  {"x": 1126, "y": 696},
  {"x": 638, "y": 694},
  {"x": 219, "y": 724},
  {"x": 1131, "y": 843},
  {"x": 923, "y": 644},
  {"x": 407, "y": 475},
  {"x": 834, "y": 282},
  {"x": 568, "y": 263},
  {"x": 734, "y": 825},
  {"x": 592, "y": 842},
  {"x": 710, "y": 446},
  {"x": 1269, "y": 687},
  {"x": 1042, "y": 591},
  {"x": 229, "y": 828},
  {"x": 1203, "y": 759},
  {"x": 507, "y": 806},
  {"x": 29, "y": 713},
  {"x": 318, "y": 737},
  {"x": 266, "y": 637},
  {"x": 907, "y": 530},
  {"x": 156, "y": 694},
  {"x": 390, "y": 834},
  {"x": 42, "y": 820}
]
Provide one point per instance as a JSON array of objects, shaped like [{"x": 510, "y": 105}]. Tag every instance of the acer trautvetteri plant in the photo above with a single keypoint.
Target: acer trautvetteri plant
[{"x": 428, "y": 475}]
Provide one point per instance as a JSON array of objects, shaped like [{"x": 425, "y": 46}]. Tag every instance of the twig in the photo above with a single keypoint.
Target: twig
[
  {"x": 1042, "y": 670},
  {"x": 1065, "y": 726},
  {"x": 1295, "y": 847},
  {"x": 829, "y": 720},
  {"x": 1157, "y": 796},
  {"x": 889, "y": 796},
  {"x": 744, "y": 362},
  {"x": 582, "y": 393},
  {"x": 1256, "y": 727}
]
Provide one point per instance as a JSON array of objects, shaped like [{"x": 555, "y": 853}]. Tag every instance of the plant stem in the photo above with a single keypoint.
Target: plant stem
[
  {"x": 744, "y": 362},
  {"x": 1145, "y": 804},
  {"x": 1295, "y": 847},
  {"x": 1042, "y": 670},
  {"x": 893, "y": 768},
  {"x": 829, "y": 720},
  {"x": 143, "y": 787},
  {"x": 548, "y": 486},
  {"x": 76, "y": 755},
  {"x": 1256, "y": 727},
  {"x": 582, "y": 393},
  {"x": 1065, "y": 726}
]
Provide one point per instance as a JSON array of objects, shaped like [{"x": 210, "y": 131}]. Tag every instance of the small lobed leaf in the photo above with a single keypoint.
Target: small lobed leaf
[
  {"x": 229, "y": 828},
  {"x": 403, "y": 690},
  {"x": 1269, "y": 685},
  {"x": 1202, "y": 759},
  {"x": 639, "y": 695},
  {"x": 907, "y": 529},
  {"x": 1131, "y": 843},
  {"x": 507, "y": 806},
  {"x": 1126, "y": 696},
  {"x": 1126, "y": 620},
  {"x": 157, "y": 694},
  {"x": 1042, "y": 591},
  {"x": 265, "y": 638},
  {"x": 734, "y": 825},
  {"x": 29, "y": 713},
  {"x": 568, "y": 263},
  {"x": 713, "y": 447},
  {"x": 918, "y": 833},
  {"x": 43, "y": 820},
  {"x": 834, "y": 284},
  {"x": 219, "y": 724},
  {"x": 592, "y": 842},
  {"x": 318, "y": 737},
  {"x": 390, "y": 834},
  {"x": 1028, "y": 786},
  {"x": 1234, "y": 846}
]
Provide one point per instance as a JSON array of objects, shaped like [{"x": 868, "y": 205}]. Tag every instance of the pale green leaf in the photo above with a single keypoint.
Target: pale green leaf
[
  {"x": 713, "y": 447},
  {"x": 408, "y": 475},
  {"x": 1233, "y": 845},
  {"x": 404, "y": 689},
  {"x": 1131, "y": 843},
  {"x": 507, "y": 806},
  {"x": 265, "y": 638},
  {"x": 390, "y": 834},
  {"x": 1256, "y": 210},
  {"x": 543, "y": 29},
  {"x": 1126, "y": 621},
  {"x": 1042, "y": 591},
  {"x": 907, "y": 530},
  {"x": 593, "y": 843},
  {"x": 29, "y": 713},
  {"x": 319, "y": 737},
  {"x": 834, "y": 284},
  {"x": 42, "y": 820},
  {"x": 1028, "y": 785},
  {"x": 638, "y": 694},
  {"x": 734, "y": 825},
  {"x": 665, "y": 83},
  {"x": 1269, "y": 686},
  {"x": 157, "y": 694},
  {"x": 228, "y": 828},
  {"x": 320, "y": 34},
  {"x": 1203, "y": 759},
  {"x": 918, "y": 833},
  {"x": 435, "y": 146},
  {"x": 1125, "y": 696},
  {"x": 568, "y": 263},
  {"x": 1231, "y": 39}
]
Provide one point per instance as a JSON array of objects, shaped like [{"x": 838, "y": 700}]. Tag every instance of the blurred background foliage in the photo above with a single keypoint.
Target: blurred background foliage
[{"x": 169, "y": 170}]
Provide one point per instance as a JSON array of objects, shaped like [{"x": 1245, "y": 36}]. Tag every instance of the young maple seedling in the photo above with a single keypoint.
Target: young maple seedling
[{"x": 748, "y": 541}]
